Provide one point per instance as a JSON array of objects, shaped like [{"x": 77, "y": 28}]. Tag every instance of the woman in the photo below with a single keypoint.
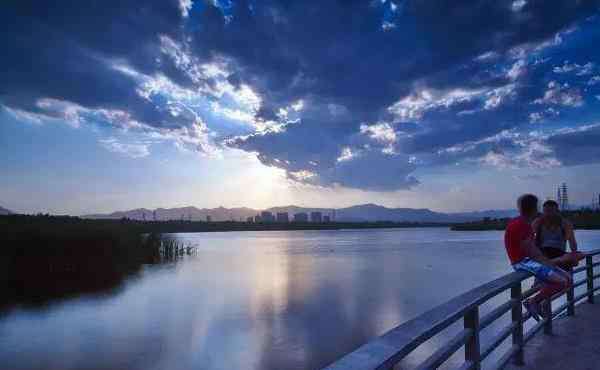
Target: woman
[{"x": 552, "y": 232}]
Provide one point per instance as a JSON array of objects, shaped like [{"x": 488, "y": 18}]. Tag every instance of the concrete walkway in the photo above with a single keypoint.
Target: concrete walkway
[{"x": 575, "y": 344}]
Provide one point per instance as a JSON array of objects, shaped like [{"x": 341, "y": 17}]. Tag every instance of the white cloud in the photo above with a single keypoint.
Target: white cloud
[
  {"x": 132, "y": 150},
  {"x": 561, "y": 95},
  {"x": 233, "y": 114},
  {"x": 185, "y": 6},
  {"x": 497, "y": 96},
  {"x": 579, "y": 70},
  {"x": 70, "y": 113},
  {"x": 387, "y": 26},
  {"x": 517, "y": 70},
  {"x": 345, "y": 155},
  {"x": 381, "y": 131},
  {"x": 413, "y": 106},
  {"x": 531, "y": 153},
  {"x": 537, "y": 117},
  {"x": 517, "y": 5},
  {"x": 302, "y": 175},
  {"x": 487, "y": 56}
]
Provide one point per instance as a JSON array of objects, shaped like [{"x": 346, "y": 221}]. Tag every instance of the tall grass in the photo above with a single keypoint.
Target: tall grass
[
  {"x": 167, "y": 248},
  {"x": 45, "y": 257}
]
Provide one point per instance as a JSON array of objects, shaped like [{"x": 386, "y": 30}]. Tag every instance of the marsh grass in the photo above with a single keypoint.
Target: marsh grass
[{"x": 44, "y": 258}]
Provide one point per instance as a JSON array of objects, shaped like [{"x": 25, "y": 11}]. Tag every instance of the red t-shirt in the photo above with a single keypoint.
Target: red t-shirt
[{"x": 517, "y": 231}]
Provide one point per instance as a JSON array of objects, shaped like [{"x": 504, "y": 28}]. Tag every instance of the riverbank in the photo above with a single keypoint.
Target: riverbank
[{"x": 581, "y": 219}]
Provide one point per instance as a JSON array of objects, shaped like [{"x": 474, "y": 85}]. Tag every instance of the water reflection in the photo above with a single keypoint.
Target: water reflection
[{"x": 259, "y": 300}]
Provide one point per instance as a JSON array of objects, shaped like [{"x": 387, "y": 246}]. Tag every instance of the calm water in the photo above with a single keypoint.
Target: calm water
[{"x": 259, "y": 300}]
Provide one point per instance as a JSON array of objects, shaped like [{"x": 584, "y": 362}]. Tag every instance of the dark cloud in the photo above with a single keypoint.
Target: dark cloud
[
  {"x": 64, "y": 49},
  {"x": 577, "y": 147},
  {"x": 435, "y": 80}
]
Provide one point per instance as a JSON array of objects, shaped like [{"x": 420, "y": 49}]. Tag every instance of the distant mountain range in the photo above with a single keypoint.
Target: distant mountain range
[
  {"x": 4, "y": 211},
  {"x": 358, "y": 213}
]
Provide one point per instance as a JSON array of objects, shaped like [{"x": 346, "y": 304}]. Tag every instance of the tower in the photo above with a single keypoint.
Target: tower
[
  {"x": 558, "y": 197},
  {"x": 564, "y": 197}
]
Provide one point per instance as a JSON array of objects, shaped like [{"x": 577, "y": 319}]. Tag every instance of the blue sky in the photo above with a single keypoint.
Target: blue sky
[{"x": 449, "y": 105}]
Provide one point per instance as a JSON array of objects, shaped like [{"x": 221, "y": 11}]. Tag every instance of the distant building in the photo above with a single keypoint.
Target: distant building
[
  {"x": 208, "y": 218},
  {"x": 326, "y": 219},
  {"x": 257, "y": 219},
  {"x": 267, "y": 216},
  {"x": 250, "y": 220},
  {"x": 301, "y": 217},
  {"x": 564, "y": 197},
  {"x": 282, "y": 217},
  {"x": 316, "y": 217}
]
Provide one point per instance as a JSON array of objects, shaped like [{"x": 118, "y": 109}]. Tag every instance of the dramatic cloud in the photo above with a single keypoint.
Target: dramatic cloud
[
  {"x": 578, "y": 146},
  {"x": 357, "y": 93}
]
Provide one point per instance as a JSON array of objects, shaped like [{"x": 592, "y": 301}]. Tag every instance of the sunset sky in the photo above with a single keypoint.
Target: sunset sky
[{"x": 450, "y": 105}]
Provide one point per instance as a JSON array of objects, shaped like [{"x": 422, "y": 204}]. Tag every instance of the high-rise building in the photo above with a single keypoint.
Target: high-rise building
[
  {"x": 257, "y": 219},
  {"x": 267, "y": 216},
  {"x": 154, "y": 215},
  {"x": 326, "y": 219},
  {"x": 283, "y": 217},
  {"x": 316, "y": 217},
  {"x": 250, "y": 219},
  {"x": 301, "y": 217}
]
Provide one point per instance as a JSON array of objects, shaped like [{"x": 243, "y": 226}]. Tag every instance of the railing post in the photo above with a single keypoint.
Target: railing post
[
  {"x": 547, "y": 313},
  {"x": 472, "y": 348},
  {"x": 571, "y": 297},
  {"x": 517, "y": 320},
  {"x": 590, "y": 278}
]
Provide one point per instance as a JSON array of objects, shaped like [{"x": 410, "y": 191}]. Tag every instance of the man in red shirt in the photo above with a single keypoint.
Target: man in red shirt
[{"x": 524, "y": 255}]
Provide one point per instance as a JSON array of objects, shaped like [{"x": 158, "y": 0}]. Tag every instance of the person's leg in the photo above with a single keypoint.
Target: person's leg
[
  {"x": 554, "y": 282},
  {"x": 552, "y": 254}
]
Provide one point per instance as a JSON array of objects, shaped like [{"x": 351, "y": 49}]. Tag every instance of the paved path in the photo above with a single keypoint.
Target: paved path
[{"x": 575, "y": 344}]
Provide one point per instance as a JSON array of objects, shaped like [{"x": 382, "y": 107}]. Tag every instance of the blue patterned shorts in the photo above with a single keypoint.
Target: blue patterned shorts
[{"x": 541, "y": 271}]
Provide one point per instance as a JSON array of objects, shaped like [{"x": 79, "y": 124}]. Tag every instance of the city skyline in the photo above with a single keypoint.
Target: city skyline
[{"x": 256, "y": 104}]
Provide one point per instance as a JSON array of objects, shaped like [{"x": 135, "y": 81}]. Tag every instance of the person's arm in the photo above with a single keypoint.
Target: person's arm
[
  {"x": 570, "y": 235},
  {"x": 535, "y": 253}
]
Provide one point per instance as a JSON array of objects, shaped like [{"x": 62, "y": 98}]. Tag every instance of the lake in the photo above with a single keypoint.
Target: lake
[{"x": 259, "y": 300}]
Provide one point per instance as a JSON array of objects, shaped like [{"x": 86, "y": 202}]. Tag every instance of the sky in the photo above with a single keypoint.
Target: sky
[{"x": 448, "y": 105}]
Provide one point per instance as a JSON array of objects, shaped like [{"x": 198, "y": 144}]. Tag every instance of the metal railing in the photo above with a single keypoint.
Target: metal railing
[{"x": 392, "y": 347}]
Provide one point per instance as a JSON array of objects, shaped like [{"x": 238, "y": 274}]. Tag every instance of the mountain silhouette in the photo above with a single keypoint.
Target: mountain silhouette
[
  {"x": 4, "y": 211},
  {"x": 358, "y": 213}
]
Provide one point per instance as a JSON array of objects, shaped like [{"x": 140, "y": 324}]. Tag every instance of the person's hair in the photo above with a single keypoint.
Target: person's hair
[
  {"x": 550, "y": 203},
  {"x": 527, "y": 204}
]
